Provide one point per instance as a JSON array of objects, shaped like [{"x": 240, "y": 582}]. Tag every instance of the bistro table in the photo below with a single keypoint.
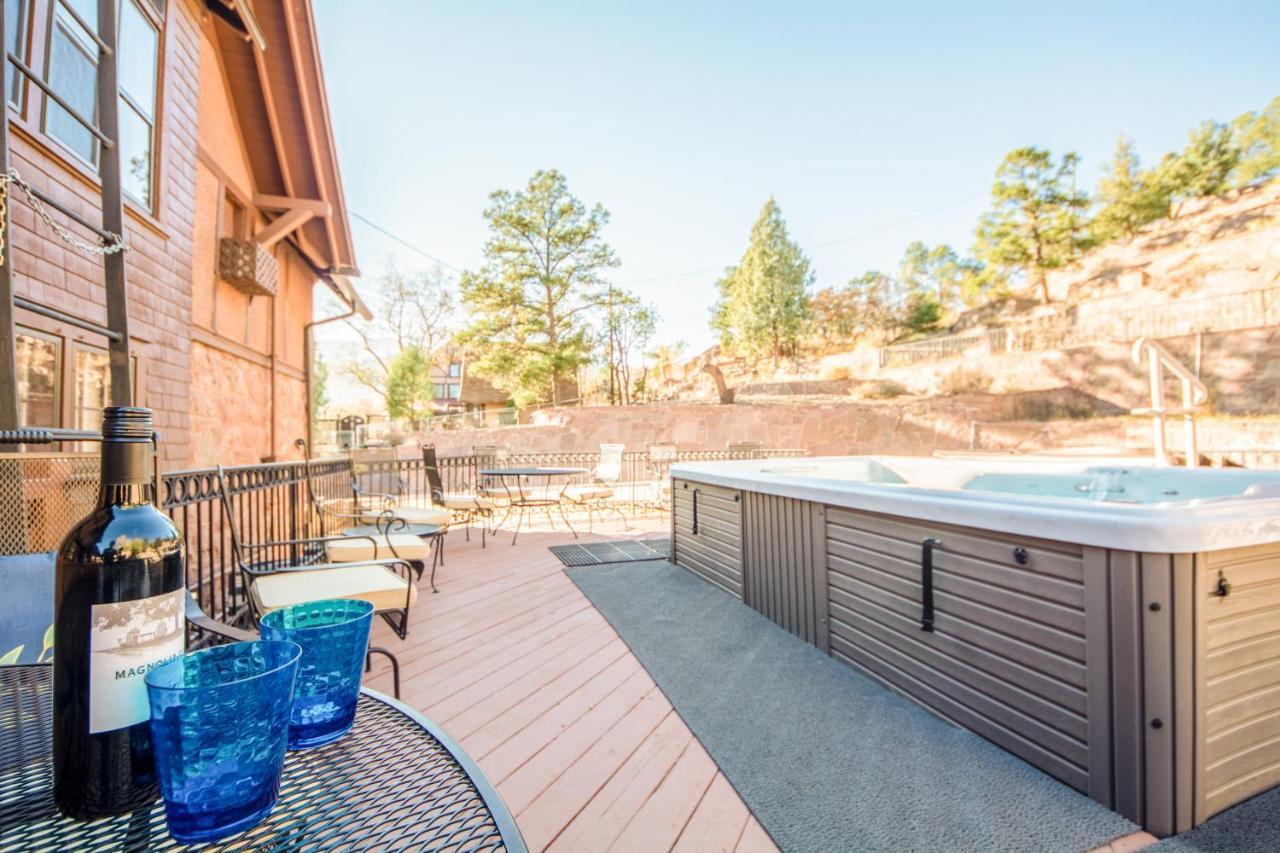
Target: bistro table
[
  {"x": 394, "y": 782},
  {"x": 522, "y": 499}
]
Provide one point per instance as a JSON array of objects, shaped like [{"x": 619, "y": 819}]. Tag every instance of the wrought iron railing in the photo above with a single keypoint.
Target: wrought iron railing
[{"x": 43, "y": 494}]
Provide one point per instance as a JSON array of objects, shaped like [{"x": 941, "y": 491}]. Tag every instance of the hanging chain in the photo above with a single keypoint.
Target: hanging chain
[{"x": 108, "y": 245}]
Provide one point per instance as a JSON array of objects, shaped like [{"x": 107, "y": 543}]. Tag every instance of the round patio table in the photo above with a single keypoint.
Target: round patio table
[
  {"x": 394, "y": 782},
  {"x": 545, "y": 497}
]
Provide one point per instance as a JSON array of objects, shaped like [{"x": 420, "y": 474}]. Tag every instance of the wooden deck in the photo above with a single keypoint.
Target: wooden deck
[{"x": 513, "y": 661}]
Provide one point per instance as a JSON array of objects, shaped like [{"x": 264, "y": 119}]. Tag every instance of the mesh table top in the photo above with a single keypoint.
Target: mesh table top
[{"x": 391, "y": 784}]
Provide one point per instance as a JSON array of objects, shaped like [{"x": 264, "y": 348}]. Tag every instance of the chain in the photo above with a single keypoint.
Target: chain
[{"x": 108, "y": 245}]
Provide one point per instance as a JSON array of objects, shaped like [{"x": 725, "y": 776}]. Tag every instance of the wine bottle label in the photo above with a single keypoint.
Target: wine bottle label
[{"x": 127, "y": 640}]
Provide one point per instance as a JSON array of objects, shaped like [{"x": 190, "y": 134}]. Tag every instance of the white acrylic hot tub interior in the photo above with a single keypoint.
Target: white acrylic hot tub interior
[{"x": 1117, "y": 481}]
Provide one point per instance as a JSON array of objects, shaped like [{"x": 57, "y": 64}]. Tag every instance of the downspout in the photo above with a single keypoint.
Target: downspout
[{"x": 309, "y": 347}]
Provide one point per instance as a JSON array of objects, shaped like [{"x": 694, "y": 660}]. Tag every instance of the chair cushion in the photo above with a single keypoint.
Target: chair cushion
[
  {"x": 357, "y": 548},
  {"x": 579, "y": 494},
  {"x": 26, "y": 608},
  {"x": 382, "y": 587},
  {"x": 410, "y": 515},
  {"x": 464, "y": 501}
]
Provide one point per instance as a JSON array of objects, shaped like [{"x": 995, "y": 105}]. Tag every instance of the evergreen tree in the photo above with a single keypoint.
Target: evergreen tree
[
  {"x": 1203, "y": 167},
  {"x": 1129, "y": 197},
  {"x": 1257, "y": 136},
  {"x": 543, "y": 277},
  {"x": 1037, "y": 218},
  {"x": 950, "y": 280},
  {"x": 764, "y": 305}
]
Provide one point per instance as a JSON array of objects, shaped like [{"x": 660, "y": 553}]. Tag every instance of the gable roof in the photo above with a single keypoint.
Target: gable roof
[{"x": 272, "y": 61}]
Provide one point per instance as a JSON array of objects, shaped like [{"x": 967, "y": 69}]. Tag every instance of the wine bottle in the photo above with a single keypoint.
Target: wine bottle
[{"x": 119, "y": 612}]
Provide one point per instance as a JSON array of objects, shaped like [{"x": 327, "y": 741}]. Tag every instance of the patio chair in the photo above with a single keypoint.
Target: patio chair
[
  {"x": 490, "y": 456},
  {"x": 26, "y": 615},
  {"x": 197, "y": 618},
  {"x": 468, "y": 505},
  {"x": 597, "y": 496},
  {"x": 380, "y": 571},
  {"x": 661, "y": 457},
  {"x": 341, "y": 516},
  {"x": 26, "y": 608},
  {"x": 377, "y": 486}
]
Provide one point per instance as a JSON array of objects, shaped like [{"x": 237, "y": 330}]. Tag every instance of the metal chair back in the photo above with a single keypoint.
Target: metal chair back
[
  {"x": 609, "y": 468},
  {"x": 489, "y": 456},
  {"x": 432, "y": 467},
  {"x": 375, "y": 476}
]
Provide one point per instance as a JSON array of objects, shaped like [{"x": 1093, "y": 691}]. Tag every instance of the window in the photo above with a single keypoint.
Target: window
[
  {"x": 93, "y": 386},
  {"x": 235, "y": 219},
  {"x": 15, "y": 34},
  {"x": 138, "y": 67},
  {"x": 455, "y": 369},
  {"x": 73, "y": 74},
  {"x": 455, "y": 390},
  {"x": 39, "y": 360}
]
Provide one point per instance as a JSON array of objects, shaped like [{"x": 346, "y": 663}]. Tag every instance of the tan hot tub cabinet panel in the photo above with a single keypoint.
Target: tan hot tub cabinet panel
[{"x": 1127, "y": 676}]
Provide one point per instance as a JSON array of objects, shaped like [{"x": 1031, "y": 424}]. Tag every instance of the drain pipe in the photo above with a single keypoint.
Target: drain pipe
[{"x": 309, "y": 353}]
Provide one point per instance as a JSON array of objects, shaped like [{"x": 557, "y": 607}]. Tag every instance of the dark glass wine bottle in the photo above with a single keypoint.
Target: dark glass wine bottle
[{"x": 118, "y": 613}]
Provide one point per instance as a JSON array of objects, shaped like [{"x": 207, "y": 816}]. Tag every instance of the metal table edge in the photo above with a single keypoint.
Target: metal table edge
[{"x": 511, "y": 837}]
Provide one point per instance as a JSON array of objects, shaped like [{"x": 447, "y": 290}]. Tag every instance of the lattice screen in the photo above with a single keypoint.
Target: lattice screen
[{"x": 41, "y": 496}]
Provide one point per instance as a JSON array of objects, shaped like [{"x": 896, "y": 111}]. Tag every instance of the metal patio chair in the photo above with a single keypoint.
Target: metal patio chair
[
  {"x": 662, "y": 456},
  {"x": 282, "y": 572},
  {"x": 197, "y": 618},
  {"x": 597, "y": 496},
  {"x": 377, "y": 485},
  {"x": 339, "y": 516},
  {"x": 466, "y": 504}
]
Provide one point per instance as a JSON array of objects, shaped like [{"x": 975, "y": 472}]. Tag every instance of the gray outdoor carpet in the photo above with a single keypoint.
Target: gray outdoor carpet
[
  {"x": 600, "y": 553},
  {"x": 1251, "y": 827},
  {"x": 826, "y": 758}
]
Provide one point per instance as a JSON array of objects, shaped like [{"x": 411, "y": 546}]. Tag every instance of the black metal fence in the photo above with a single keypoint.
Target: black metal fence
[{"x": 270, "y": 502}]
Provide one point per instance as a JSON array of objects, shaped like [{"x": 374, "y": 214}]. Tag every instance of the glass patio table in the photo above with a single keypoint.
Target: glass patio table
[
  {"x": 522, "y": 498},
  {"x": 394, "y": 782}
]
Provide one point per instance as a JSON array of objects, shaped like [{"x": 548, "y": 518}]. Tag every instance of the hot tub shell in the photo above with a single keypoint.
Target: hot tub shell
[{"x": 1148, "y": 679}]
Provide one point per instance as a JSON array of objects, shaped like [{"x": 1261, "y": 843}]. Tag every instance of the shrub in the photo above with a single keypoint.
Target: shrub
[
  {"x": 885, "y": 389},
  {"x": 838, "y": 373},
  {"x": 965, "y": 380}
]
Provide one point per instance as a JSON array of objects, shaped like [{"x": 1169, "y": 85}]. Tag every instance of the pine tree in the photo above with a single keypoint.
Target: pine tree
[
  {"x": 1257, "y": 136},
  {"x": 1038, "y": 217},
  {"x": 1203, "y": 167},
  {"x": 764, "y": 305},
  {"x": 1129, "y": 197},
  {"x": 542, "y": 279}
]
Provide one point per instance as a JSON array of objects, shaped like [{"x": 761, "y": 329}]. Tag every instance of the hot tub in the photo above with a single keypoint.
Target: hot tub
[{"x": 1113, "y": 623}]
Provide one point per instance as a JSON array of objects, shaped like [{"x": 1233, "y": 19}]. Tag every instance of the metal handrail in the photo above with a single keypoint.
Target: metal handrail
[{"x": 1194, "y": 394}]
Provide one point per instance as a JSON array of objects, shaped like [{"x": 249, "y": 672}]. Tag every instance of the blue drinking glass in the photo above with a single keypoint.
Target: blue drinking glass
[
  {"x": 219, "y": 724},
  {"x": 334, "y": 636}
]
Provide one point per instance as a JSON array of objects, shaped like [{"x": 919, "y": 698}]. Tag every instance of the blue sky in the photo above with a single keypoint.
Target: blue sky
[{"x": 682, "y": 118}]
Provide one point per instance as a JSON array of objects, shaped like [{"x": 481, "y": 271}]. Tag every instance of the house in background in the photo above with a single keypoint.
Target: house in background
[
  {"x": 233, "y": 211},
  {"x": 446, "y": 379}
]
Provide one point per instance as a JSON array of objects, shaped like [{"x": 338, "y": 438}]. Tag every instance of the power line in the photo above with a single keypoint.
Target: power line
[
  {"x": 886, "y": 226},
  {"x": 868, "y": 232},
  {"x": 403, "y": 242}
]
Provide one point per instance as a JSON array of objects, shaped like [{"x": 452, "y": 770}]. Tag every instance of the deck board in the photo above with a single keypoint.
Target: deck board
[{"x": 514, "y": 662}]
